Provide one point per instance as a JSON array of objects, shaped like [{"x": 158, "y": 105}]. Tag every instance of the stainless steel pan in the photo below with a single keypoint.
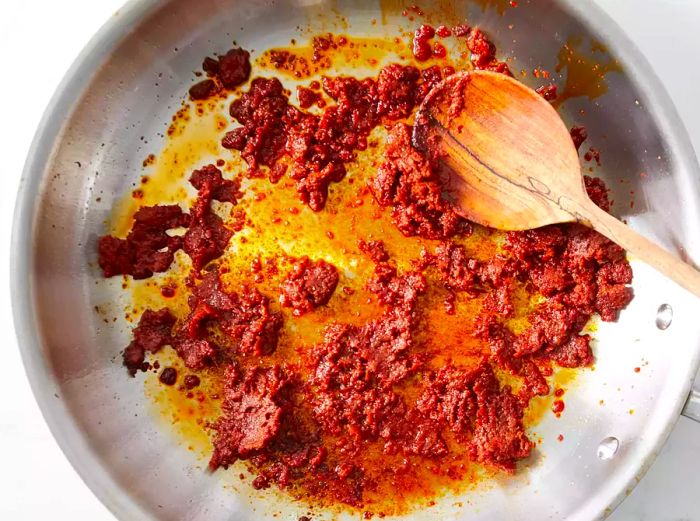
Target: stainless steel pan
[{"x": 88, "y": 150}]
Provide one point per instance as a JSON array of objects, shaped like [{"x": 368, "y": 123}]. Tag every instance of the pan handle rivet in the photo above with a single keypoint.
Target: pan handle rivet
[
  {"x": 664, "y": 316},
  {"x": 608, "y": 448}
]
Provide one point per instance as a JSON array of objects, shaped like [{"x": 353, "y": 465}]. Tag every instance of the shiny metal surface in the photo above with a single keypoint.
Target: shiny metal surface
[
  {"x": 691, "y": 409},
  {"x": 88, "y": 151},
  {"x": 692, "y": 406}
]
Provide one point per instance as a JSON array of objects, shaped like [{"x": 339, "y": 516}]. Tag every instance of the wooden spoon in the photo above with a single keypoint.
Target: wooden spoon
[{"x": 516, "y": 165}]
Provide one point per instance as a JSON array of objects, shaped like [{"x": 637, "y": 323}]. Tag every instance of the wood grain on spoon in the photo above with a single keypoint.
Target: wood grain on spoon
[{"x": 513, "y": 165}]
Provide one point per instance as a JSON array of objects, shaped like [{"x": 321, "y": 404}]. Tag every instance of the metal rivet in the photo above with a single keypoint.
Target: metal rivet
[
  {"x": 664, "y": 316},
  {"x": 608, "y": 447}
]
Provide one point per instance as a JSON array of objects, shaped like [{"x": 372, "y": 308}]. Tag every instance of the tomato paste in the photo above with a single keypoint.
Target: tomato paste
[{"x": 374, "y": 404}]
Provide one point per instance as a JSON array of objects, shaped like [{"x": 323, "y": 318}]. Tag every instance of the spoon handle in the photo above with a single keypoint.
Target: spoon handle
[{"x": 682, "y": 273}]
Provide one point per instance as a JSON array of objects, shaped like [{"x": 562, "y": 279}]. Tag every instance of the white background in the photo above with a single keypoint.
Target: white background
[{"x": 38, "y": 41}]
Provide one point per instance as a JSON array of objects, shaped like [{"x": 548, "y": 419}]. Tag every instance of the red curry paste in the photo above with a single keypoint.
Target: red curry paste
[{"x": 312, "y": 421}]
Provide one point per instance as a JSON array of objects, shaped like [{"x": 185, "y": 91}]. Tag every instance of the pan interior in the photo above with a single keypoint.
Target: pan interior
[{"x": 116, "y": 112}]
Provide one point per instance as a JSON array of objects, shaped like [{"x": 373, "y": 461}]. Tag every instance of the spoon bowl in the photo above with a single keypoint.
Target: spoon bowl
[{"x": 512, "y": 164}]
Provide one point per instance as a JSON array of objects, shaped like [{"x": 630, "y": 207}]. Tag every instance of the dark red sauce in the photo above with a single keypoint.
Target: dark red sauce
[
  {"x": 309, "y": 97},
  {"x": 558, "y": 407},
  {"x": 443, "y": 31},
  {"x": 422, "y": 48},
  {"x": 225, "y": 72},
  {"x": 309, "y": 285},
  {"x": 191, "y": 381},
  {"x": 483, "y": 52},
  {"x": 578, "y": 134},
  {"x": 203, "y": 90},
  {"x": 148, "y": 248},
  {"x": 168, "y": 376},
  {"x": 548, "y": 92}
]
